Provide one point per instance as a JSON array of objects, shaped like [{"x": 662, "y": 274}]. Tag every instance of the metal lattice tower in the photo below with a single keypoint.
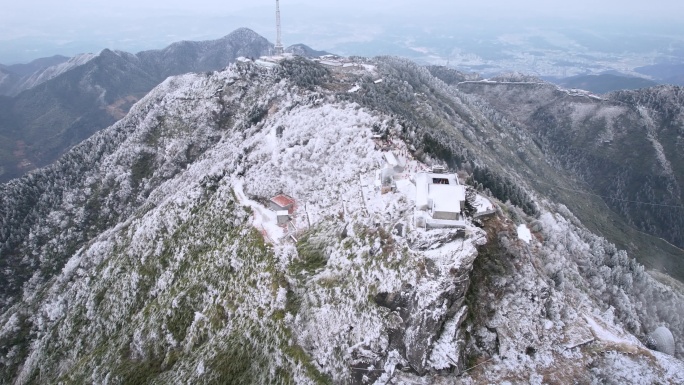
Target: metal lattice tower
[{"x": 279, "y": 50}]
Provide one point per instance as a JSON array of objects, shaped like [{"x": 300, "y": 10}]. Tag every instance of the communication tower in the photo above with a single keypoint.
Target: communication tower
[{"x": 279, "y": 50}]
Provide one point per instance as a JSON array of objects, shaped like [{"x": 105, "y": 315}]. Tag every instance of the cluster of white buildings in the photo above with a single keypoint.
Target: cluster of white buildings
[
  {"x": 440, "y": 197},
  {"x": 440, "y": 200},
  {"x": 335, "y": 61}
]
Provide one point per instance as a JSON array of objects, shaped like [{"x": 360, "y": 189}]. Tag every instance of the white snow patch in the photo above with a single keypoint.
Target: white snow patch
[
  {"x": 604, "y": 334},
  {"x": 483, "y": 205},
  {"x": 281, "y": 298},
  {"x": 70, "y": 266},
  {"x": 524, "y": 233},
  {"x": 404, "y": 186},
  {"x": 369, "y": 67}
]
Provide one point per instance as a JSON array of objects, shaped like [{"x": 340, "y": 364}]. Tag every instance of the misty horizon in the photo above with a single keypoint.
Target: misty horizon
[{"x": 27, "y": 34}]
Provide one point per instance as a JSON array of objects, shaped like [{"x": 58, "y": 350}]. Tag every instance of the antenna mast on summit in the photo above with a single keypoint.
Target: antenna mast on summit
[{"x": 279, "y": 44}]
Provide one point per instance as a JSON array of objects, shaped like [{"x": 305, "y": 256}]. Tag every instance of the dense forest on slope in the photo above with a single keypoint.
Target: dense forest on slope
[{"x": 626, "y": 148}]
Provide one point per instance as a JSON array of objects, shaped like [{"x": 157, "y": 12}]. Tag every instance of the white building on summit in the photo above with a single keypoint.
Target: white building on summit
[{"x": 440, "y": 200}]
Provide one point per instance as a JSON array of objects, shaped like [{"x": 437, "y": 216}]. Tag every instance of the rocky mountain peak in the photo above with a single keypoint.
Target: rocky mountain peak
[{"x": 151, "y": 252}]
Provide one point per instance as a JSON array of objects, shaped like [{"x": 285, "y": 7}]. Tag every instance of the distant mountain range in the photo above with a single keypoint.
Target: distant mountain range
[
  {"x": 51, "y": 104},
  {"x": 18, "y": 77},
  {"x": 666, "y": 73},
  {"x": 604, "y": 83}
]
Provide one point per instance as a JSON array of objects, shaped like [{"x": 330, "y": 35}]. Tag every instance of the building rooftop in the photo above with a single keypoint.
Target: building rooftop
[
  {"x": 425, "y": 181},
  {"x": 391, "y": 159},
  {"x": 446, "y": 197},
  {"x": 283, "y": 200},
  {"x": 437, "y": 178}
]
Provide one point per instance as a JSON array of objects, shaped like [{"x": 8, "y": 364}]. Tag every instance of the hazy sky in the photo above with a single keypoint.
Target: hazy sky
[{"x": 36, "y": 28}]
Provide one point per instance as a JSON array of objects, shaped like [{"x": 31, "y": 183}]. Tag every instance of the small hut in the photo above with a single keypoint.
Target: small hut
[{"x": 282, "y": 202}]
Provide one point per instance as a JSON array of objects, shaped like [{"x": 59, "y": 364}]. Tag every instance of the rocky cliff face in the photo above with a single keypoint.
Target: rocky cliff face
[{"x": 147, "y": 253}]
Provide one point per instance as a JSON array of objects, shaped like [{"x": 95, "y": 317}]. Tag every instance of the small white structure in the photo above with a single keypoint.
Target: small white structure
[
  {"x": 397, "y": 163},
  {"x": 483, "y": 206},
  {"x": 384, "y": 180},
  {"x": 446, "y": 201},
  {"x": 440, "y": 200}
]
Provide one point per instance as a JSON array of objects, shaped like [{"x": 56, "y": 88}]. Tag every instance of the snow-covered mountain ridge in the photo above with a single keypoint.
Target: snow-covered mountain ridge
[
  {"x": 55, "y": 107},
  {"x": 136, "y": 257},
  {"x": 54, "y": 103},
  {"x": 48, "y": 73}
]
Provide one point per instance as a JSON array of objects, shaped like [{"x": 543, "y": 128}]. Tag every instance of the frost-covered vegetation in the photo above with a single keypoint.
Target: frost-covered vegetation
[
  {"x": 138, "y": 257},
  {"x": 626, "y": 148},
  {"x": 563, "y": 304}
]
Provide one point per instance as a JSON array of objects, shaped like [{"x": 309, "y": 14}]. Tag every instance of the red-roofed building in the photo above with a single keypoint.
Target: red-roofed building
[{"x": 283, "y": 202}]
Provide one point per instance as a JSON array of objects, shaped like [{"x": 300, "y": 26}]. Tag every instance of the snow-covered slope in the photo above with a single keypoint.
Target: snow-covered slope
[
  {"x": 587, "y": 136},
  {"x": 4, "y": 76},
  {"x": 48, "y": 73},
  {"x": 18, "y": 73},
  {"x": 148, "y": 254}
]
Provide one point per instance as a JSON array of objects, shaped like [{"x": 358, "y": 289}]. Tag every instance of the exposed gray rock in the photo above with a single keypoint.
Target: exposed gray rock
[{"x": 416, "y": 323}]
